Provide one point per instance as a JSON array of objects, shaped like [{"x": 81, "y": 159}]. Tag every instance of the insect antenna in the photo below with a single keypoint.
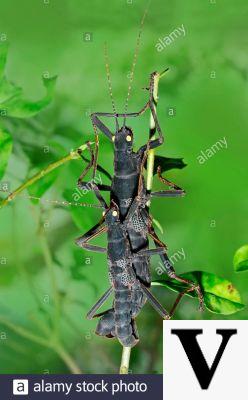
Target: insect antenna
[
  {"x": 50, "y": 201},
  {"x": 110, "y": 88},
  {"x": 106, "y": 57},
  {"x": 136, "y": 52}
]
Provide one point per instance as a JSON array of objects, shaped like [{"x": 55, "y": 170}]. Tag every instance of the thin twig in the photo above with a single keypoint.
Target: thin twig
[
  {"x": 73, "y": 155},
  {"x": 55, "y": 291},
  {"x": 126, "y": 351},
  {"x": 56, "y": 347},
  {"x": 125, "y": 359},
  {"x": 68, "y": 360},
  {"x": 151, "y": 153}
]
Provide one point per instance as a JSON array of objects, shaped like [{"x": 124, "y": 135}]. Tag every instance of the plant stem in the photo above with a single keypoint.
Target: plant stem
[
  {"x": 24, "y": 332},
  {"x": 58, "y": 348},
  {"x": 125, "y": 359},
  {"x": 73, "y": 155},
  {"x": 151, "y": 153},
  {"x": 126, "y": 351},
  {"x": 68, "y": 360},
  {"x": 50, "y": 266}
]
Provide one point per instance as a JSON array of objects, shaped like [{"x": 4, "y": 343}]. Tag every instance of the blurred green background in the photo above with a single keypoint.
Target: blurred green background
[{"x": 43, "y": 276}]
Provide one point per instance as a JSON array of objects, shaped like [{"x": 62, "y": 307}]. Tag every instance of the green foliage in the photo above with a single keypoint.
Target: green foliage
[
  {"x": 81, "y": 216},
  {"x": 12, "y": 101},
  {"x": 205, "y": 108},
  {"x": 220, "y": 296},
  {"x": 167, "y": 163},
  {"x": 5, "y": 150},
  {"x": 240, "y": 260},
  {"x": 3, "y": 58},
  {"x": 77, "y": 269},
  {"x": 42, "y": 185}
]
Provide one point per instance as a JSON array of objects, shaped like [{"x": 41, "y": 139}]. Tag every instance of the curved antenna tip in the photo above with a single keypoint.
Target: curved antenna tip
[{"x": 164, "y": 72}]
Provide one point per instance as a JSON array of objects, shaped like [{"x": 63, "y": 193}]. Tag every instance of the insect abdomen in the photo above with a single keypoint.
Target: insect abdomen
[{"x": 123, "y": 319}]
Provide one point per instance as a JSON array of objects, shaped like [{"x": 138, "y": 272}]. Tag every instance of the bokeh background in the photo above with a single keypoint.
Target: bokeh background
[{"x": 46, "y": 284}]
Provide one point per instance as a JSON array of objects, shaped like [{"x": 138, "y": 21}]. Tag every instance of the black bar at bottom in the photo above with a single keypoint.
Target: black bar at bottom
[{"x": 59, "y": 387}]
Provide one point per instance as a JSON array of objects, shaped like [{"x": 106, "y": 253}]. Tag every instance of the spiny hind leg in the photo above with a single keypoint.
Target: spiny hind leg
[
  {"x": 90, "y": 162},
  {"x": 172, "y": 273},
  {"x": 97, "y": 230},
  {"x": 154, "y": 302},
  {"x": 99, "y": 303}
]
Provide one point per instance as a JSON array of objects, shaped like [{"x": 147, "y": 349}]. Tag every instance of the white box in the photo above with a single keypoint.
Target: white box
[{"x": 20, "y": 387}]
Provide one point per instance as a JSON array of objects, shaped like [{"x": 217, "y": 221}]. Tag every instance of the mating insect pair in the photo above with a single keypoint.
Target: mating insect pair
[{"x": 129, "y": 226}]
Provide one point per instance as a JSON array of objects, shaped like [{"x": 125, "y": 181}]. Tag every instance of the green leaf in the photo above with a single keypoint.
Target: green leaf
[
  {"x": 42, "y": 185},
  {"x": 240, "y": 260},
  {"x": 16, "y": 106},
  {"x": 3, "y": 58},
  {"x": 7, "y": 275},
  {"x": 5, "y": 150},
  {"x": 167, "y": 163},
  {"x": 12, "y": 101},
  {"x": 220, "y": 296},
  {"x": 77, "y": 268},
  {"x": 37, "y": 154}
]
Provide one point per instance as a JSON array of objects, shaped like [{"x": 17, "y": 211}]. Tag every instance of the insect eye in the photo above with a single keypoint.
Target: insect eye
[
  {"x": 128, "y": 138},
  {"x": 114, "y": 213}
]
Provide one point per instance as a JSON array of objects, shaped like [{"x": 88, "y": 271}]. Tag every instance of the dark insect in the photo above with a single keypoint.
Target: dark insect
[
  {"x": 132, "y": 227},
  {"x": 128, "y": 290}
]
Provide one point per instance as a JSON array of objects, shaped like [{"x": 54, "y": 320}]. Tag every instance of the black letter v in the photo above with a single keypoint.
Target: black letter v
[{"x": 196, "y": 358}]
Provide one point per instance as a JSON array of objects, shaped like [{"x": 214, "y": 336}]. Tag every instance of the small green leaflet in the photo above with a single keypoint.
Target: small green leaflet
[
  {"x": 167, "y": 163},
  {"x": 12, "y": 101},
  {"x": 240, "y": 260},
  {"x": 220, "y": 296},
  {"x": 5, "y": 150}
]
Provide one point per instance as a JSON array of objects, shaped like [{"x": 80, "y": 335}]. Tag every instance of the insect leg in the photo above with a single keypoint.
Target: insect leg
[
  {"x": 171, "y": 271},
  {"x": 178, "y": 299},
  {"x": 97, "y": 123},
  {"x": 168, "y": 193},
  {"x": 83, "y": 240},
  {"x": 92, "y": 185},
  {"x": 151, "y": 252},
  {"x": 87, "y": 186},
  {"x": 133, "y": 114},
  {"x": 154, "y": 302},
  {"x": 176, "y": 191},
  {"x": 166, "y": 181},
  {"x": 90, "y": 164},
  {"x": 99, "y": 303},
  {"x": 99, "y": 168}
]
